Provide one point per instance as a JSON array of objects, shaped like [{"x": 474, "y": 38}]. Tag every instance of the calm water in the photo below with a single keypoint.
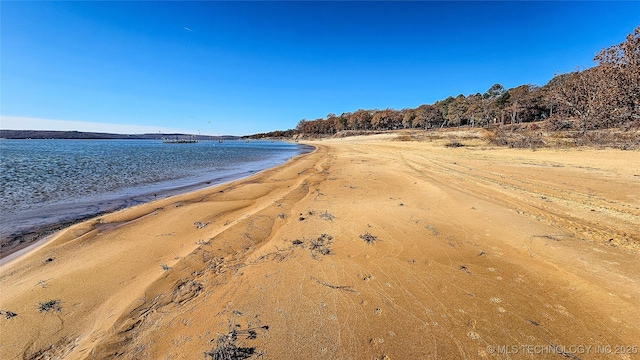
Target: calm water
[{"x": 48, "y": 182}]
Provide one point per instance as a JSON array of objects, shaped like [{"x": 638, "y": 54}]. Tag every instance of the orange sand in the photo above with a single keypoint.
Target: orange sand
[{"x": 470, "y": 249}]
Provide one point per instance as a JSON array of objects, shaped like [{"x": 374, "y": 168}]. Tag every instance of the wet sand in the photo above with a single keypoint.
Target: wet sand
[{"x": 367, "y": 248}]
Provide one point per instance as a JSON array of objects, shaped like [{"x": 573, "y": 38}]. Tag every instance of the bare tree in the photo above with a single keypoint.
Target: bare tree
[
  {"x": 580, "y": 93},
  {"x": 619, "y": 66},
  {"x": 408, "y": 117}
]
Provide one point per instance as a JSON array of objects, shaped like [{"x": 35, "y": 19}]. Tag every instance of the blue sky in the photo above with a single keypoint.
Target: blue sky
[{"x": 246, "y": 67}]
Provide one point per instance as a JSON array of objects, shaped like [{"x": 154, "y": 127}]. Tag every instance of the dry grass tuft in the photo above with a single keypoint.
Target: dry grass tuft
[
  {"x": 50, "y": 305},
  {"x": 453, "y": 143},
  {"x": 226, "y": 347},
  {"x": 327, "y": 216},
  {"x": 320, "y": 245},
  {"x": 8, "y": 314},
  {"x": 368, "y": 238}
]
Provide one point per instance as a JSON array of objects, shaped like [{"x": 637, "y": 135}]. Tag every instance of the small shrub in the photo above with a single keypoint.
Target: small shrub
[
  {"x": 320, "y": 245},
  {"x": 368, "y": 238},
  {"x": 226, "y": 349},
  {"x": 454, "y": 144},
  {"x": 200, "y": 225},
  {"x": 8, "y": 314},
  {"x": 49, "y": 305}
]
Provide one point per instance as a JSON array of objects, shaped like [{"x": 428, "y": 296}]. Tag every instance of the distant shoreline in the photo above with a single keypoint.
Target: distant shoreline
[{"x": 82, "y": 135}]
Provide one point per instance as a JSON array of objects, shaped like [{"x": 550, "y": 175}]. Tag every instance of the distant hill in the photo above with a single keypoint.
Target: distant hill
[{"x": 41, "y": 134}]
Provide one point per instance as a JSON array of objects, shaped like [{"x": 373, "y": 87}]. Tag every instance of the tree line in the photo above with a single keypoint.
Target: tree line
[{"x": 604, "y": 96}]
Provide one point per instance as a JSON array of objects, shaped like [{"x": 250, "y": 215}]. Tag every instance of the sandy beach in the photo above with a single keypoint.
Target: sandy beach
[{"x": 367, "y": 248}]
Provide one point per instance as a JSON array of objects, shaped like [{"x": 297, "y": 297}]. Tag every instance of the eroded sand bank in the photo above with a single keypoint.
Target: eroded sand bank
[{"x": 366, "y": 248}]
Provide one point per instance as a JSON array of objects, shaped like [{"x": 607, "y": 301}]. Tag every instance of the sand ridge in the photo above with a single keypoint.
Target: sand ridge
[{"x": 367, "y": 248}]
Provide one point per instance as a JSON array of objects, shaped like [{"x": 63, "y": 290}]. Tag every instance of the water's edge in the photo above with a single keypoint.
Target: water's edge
[{"x": 17, "y": 242}]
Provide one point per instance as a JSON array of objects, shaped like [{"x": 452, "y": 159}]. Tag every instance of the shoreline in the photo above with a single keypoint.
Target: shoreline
[
  {"x": 362, "y": 248},
  {"x": 32, "y": 246},
  {"x": 45, "y": 236},
  {"x": 85, "y": 210}
]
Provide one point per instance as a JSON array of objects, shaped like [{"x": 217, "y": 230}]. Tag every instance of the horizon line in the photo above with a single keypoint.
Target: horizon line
[{"x": 9, "y": 122}]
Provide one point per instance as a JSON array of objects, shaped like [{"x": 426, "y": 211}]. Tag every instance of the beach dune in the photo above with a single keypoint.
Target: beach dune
[{"x": 366, "y": 248}]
